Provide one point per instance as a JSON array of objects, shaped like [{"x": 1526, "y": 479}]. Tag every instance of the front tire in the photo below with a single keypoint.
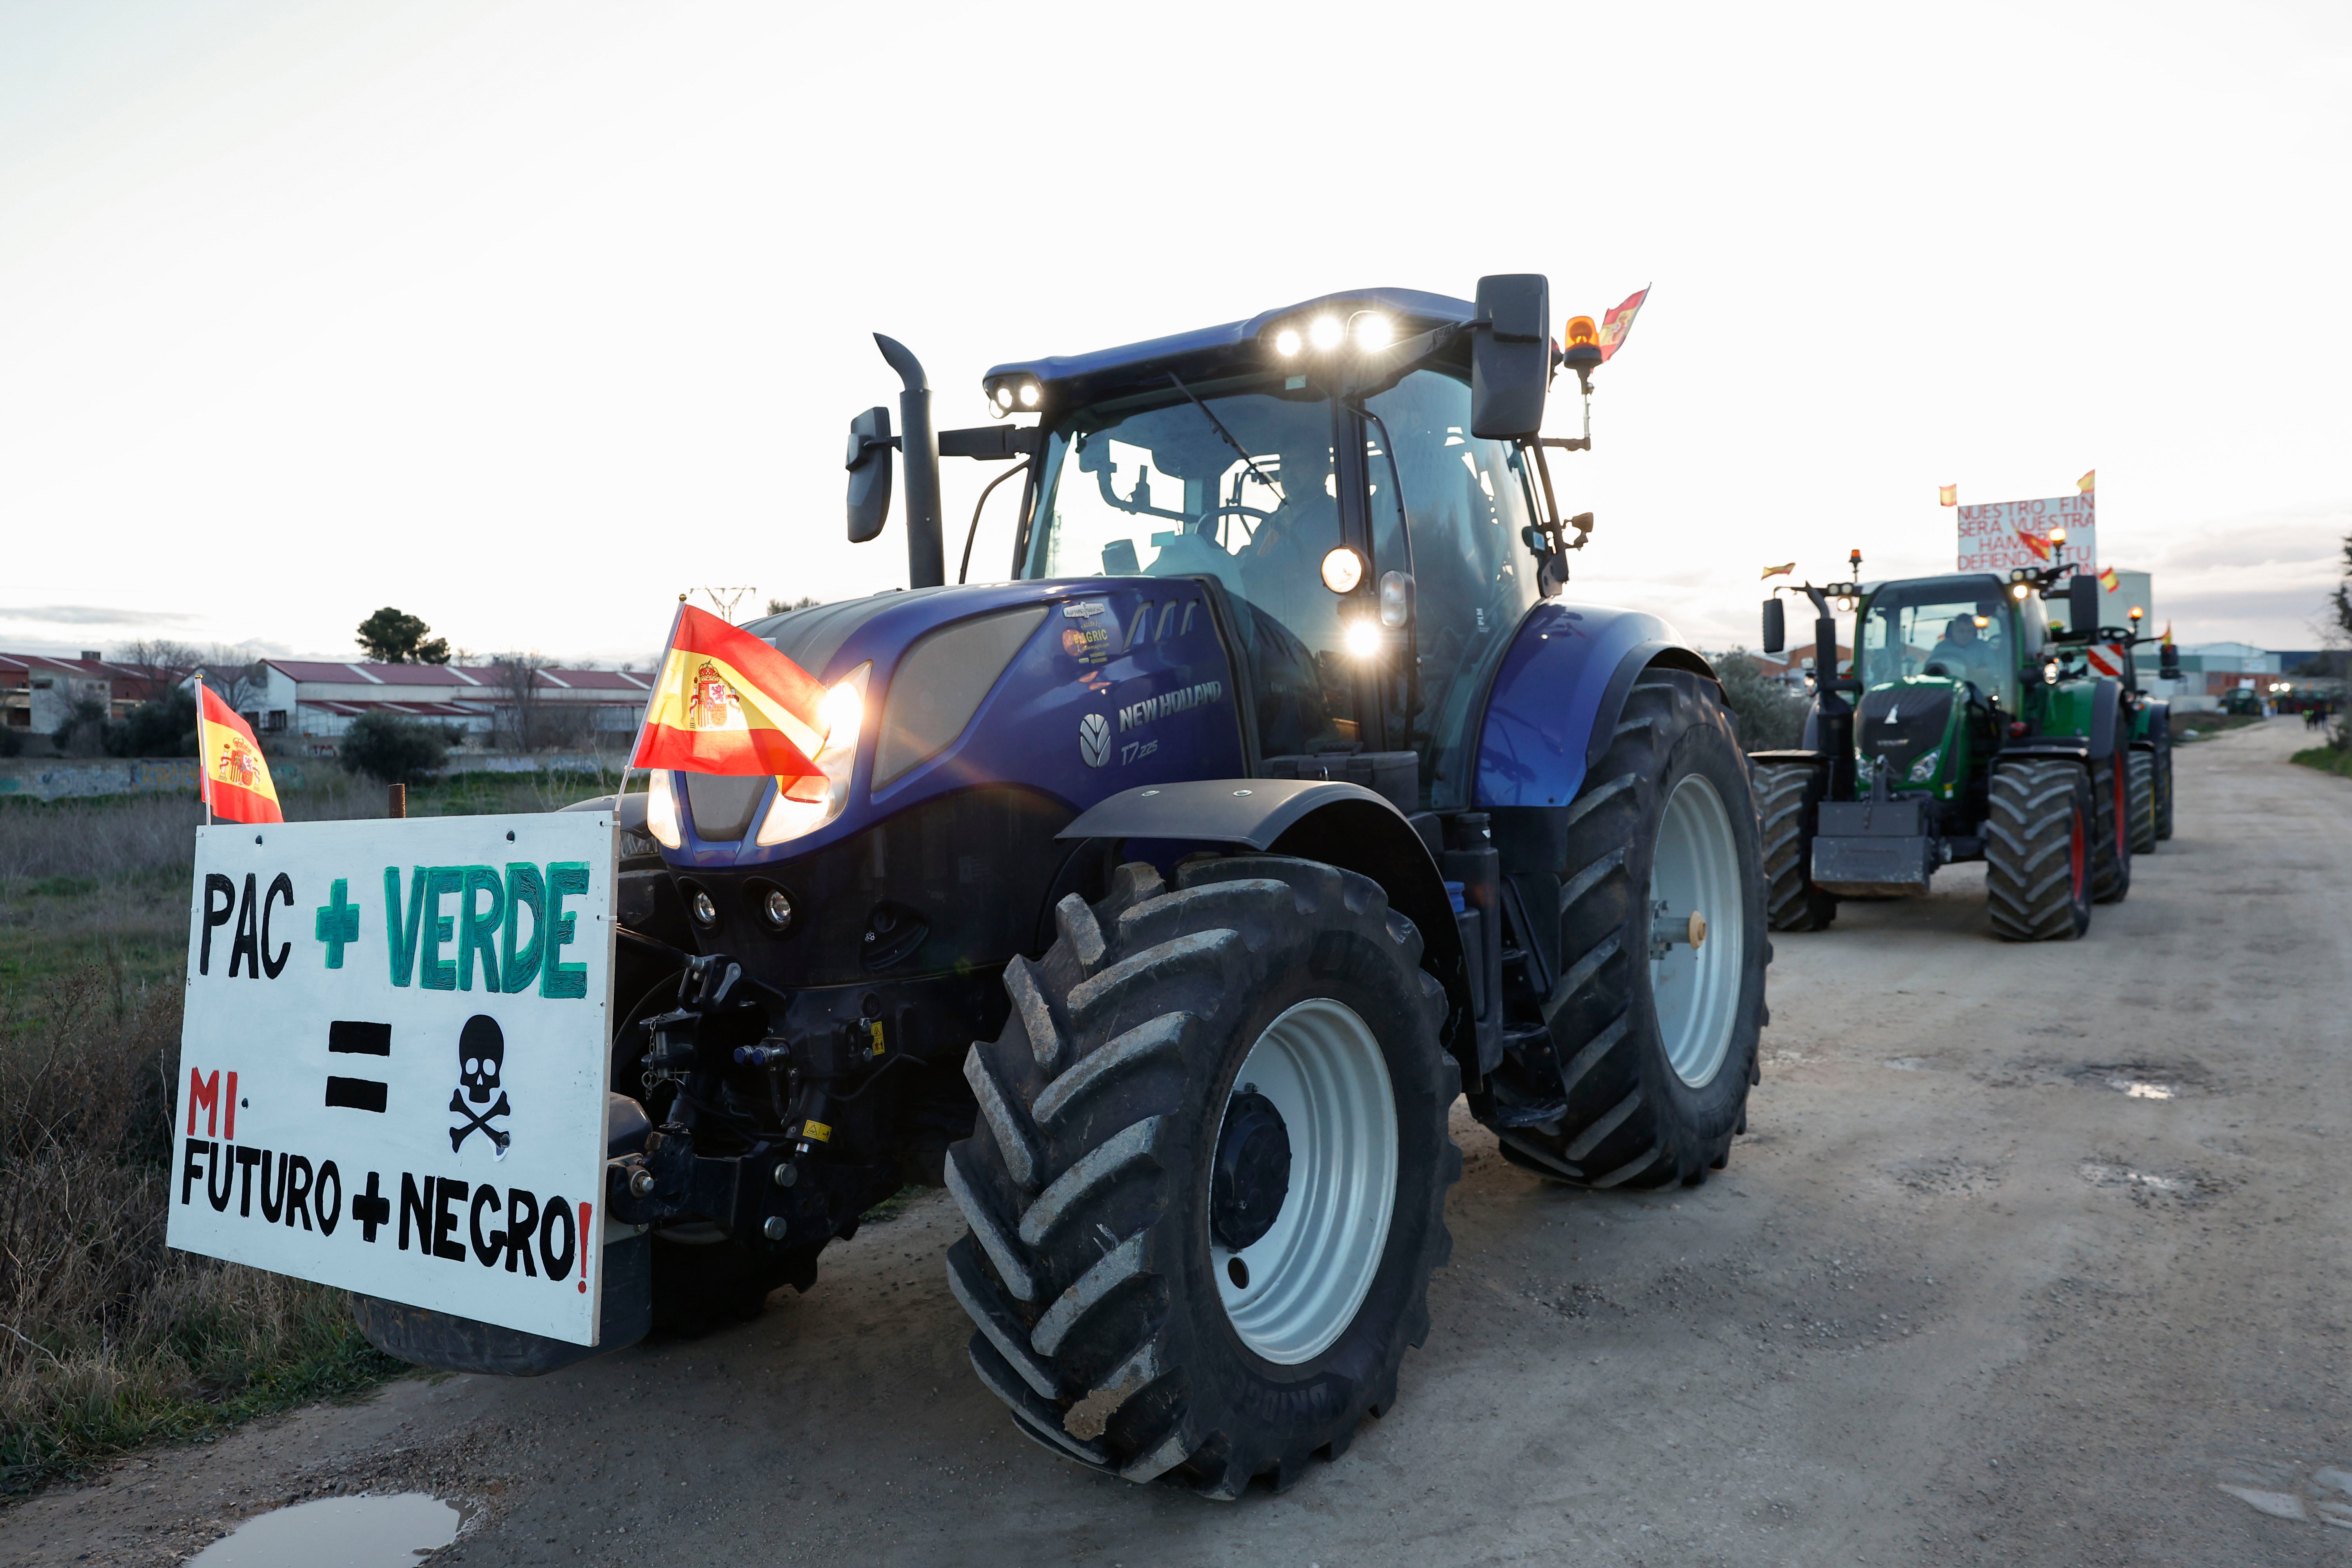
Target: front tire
[
  {"x": 1207, "y": 1188},
  {"x": 2111, "y": 847},
  {"x": 1653, "y": 1039},
  {"x": 1787, "y": 805},
  {"x": 2142, "y": 797},
  {"x": 2038, "y": 851}
]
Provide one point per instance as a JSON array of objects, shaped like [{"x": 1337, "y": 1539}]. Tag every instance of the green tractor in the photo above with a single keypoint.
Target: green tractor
[{"x": 1978, "y": 731}]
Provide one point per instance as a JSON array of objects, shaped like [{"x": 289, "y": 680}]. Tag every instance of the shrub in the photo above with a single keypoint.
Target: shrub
[
  {"x": 11, "y": 744},
  {"x": 1770, "y": 717},
  {"x": 392, "y": 750},
  {"x": 164, "y": 726}
]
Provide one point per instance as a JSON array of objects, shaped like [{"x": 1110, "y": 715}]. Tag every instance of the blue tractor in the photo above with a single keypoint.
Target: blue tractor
[{"x": 1162, "y": 901}]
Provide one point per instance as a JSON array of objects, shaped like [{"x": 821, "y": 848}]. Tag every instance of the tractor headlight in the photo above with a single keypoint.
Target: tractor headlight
[
  {"x": 1325, "y": 331},
  {"x": 661, "y": 810},
  {"x": 1925, "y": 768},
  {"x": 804, "y": 804},
  {"x": 1363, "y": 638},
  {"x": 2050, "y": 673}
]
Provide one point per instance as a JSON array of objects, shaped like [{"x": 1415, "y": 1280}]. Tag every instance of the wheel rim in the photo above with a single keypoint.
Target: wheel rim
[
  {"x": 1305, "y": 1276},
  {"x": 1695, "y": 989}
]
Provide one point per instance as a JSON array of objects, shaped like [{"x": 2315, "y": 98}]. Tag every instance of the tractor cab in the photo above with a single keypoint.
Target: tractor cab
[{"x": 1369, "y": 553}]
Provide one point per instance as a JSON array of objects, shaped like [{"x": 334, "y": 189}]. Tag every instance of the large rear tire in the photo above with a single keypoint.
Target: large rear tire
[
  {"x": 1788, "y": 807},
  {"x": 2142, "y": 797},
  {"x": 2038, "y": 851},
  {"x": 2110, "y": 848},
  {"x": 2164, "y": 792},
  {"x": 1207, "y": 1185},
  {"x": 1654, "y": 1040}
]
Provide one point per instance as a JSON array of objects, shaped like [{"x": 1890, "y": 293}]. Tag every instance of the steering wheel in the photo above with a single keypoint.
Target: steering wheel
[{"x": 1215, "y": 512}]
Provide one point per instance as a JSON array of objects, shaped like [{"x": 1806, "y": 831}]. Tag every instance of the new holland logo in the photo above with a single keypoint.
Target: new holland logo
[
  {"x": 1094, "y": 739},
  {"x": 1135, "y": 715}
]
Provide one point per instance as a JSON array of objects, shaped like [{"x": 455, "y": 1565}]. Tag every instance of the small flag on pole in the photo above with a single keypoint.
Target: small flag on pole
[
  {"x": 725, "y": 702},
  {"x": 1948, "y": 495},
  {"x": 2108, "y": 580},
  {"x": 2086, "y": 484},
  {"x": 235, "y": 780},
  {"x": 1779, "y": 571},
  {"x": 1616, "y": 323},
  {"x": 2035, "y": 542},
  {"x": 2168, "y": 634}
]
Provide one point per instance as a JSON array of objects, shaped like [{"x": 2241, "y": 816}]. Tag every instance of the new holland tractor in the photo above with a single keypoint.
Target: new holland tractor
[
  {"x": 1161, "y": 901},
  {"x": 1981, "y": 731}
]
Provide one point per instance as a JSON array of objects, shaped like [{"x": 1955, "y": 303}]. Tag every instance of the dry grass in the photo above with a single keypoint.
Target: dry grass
[{"x": 108, "y": 1339}]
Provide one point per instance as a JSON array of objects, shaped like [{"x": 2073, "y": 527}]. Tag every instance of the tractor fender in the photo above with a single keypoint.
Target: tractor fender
[
  {"x": 1557, "y": 695},
  {"x": 2106, "y": 718},
  {"x": 1341, "y": 825}
]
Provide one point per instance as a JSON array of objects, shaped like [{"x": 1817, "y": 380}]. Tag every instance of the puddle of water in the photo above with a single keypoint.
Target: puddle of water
[
  {"x": 2278, "y": 1505},
  {"x": 338, "y": 1532},
  {"x": 1909, "y": 1064},
  {"x": 2100, "y": 1175},
  {"x": 2139, "y": 1090}
]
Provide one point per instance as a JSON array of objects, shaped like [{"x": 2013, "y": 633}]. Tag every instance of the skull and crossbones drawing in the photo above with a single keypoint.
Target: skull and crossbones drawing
[{"x": 481, "y": 1056}]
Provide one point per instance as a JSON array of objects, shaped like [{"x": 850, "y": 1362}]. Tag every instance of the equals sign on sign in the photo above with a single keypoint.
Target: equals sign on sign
[{"x": 346, "y": 1038}]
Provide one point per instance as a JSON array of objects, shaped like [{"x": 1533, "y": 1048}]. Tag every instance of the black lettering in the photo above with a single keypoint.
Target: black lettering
[
  {"x": 420, "y": 1205},
  {"x": 270, "y": 966},
  {"x": 522, "y": 1219},
  {"x": 558, "y": 1264},
  {"x": 273, "y": 1204},
  {"x": 298, "y": 1189},
  {"x": 246, "y": 949},
  {"x": 189, "y": 1170},
  {"x": 485, "y": 1248},
  {"x": 245, "y": 1163},
  {"x": 215, "y": 915},
  {"x": 220, "y": 1183},
  {"x": 371, "y": 1208},
  {"x": 330, "y": 1213},
  {"x": 447, "y": 1193}
]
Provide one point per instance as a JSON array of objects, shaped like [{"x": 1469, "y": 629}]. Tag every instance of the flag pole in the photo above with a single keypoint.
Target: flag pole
[
  {"x": 652, "y": 694},
  {"x": 203, "y": 773}
]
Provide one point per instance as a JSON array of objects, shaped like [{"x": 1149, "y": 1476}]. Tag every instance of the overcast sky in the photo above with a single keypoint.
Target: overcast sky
[{"x": 526, "y": 318}]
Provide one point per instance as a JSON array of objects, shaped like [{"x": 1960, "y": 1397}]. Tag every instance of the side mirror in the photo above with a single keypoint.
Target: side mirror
[
  {"x": 1776, "y": 627},
  {"x": 1510, "y": 356},
  {"x": 869, "y": 474},
  {"x": 2167, "y": 662},
  {"x": 2083, "y": 605}
]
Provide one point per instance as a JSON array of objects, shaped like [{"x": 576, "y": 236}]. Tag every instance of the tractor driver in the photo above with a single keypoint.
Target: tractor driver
[{"x": 1964, "y": 652}]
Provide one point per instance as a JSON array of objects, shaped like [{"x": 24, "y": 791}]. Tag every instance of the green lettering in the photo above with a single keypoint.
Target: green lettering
[
  {"x": 403, "y": 942},
  {"x": 437, "y": 973},
  {"x": 564, "y": 879},
  {"x": 525, "y": 891},
  {"x": 477, "y": 928}
]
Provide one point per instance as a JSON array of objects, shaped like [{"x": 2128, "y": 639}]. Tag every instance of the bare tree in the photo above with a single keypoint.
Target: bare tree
[
  {"x": 235, "y": 676},
  {"x": 527, "y": 719},
  {"x": 167, "y": 661}
]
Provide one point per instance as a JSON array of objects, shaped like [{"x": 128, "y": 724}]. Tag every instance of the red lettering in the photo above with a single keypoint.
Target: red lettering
[
  {"x": 205, "y": 1091},
  {"x": 229, "y": 1115}
]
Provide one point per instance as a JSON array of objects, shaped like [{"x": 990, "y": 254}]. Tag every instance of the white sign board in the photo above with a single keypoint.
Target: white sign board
[
  {"x": 1995, "y": 538},
  {"x": 392, "y": 1069}
]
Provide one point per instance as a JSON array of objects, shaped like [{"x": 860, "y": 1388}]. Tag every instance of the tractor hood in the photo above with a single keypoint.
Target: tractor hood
[
  {"x": 1906, "y": 727},
  {"x": 993, "y": 715}
]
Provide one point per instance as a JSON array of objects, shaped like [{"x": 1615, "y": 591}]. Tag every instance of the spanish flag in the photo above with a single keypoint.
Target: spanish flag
[
  {"x": 725, "y": 702},
  {"x": 235, "y": 781},
  {"x": 1948, "y": 495},
  {"x": 2108, "y": 580},
  {"x": 1779, "y": 571},
  {"x": 2088, "y": 482}
]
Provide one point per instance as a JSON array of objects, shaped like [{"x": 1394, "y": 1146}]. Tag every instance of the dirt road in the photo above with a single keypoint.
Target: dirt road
[{"x": 2032, "y": 1255}]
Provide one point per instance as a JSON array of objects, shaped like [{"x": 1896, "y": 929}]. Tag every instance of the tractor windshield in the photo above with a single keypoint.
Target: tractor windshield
[
  {"x": 1241, "y": 487},
  {"x": 1967, "y": 639}
]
